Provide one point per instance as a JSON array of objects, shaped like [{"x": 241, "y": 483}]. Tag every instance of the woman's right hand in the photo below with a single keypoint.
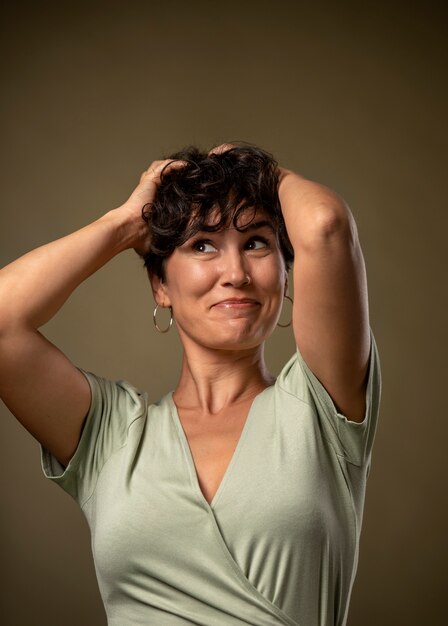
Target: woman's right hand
[{"x": 143, "y": 196}]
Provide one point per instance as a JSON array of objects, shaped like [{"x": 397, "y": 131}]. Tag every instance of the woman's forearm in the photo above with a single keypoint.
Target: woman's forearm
[{"x": 35, "y": 286}]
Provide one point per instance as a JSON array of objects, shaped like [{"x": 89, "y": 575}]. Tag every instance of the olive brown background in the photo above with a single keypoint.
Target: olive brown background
[{"x": 351, "y": 94}]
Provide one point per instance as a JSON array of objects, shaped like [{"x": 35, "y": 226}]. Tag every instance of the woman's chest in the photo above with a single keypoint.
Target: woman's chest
[
  {"x": 268, "y": 483},
  {"x": 212, "y": 444},
  {"x": 281, "y": 512}
]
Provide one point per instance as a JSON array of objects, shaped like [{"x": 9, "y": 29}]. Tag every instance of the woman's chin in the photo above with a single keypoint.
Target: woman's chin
[
  {"x": 239, "y": 339},
  {"x": 237, "y": 333}
]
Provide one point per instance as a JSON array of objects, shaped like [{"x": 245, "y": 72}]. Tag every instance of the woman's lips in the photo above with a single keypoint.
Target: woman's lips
[{"x": 244, "y": 303}]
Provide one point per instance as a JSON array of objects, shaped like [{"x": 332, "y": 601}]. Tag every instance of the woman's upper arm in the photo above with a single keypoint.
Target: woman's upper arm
[
  {"x": 330, "y": 316},
  {"x": 44, "y": 390}
]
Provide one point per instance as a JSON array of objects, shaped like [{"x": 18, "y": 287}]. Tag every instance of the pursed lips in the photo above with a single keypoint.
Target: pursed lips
[{"x": 238, "y": 303}]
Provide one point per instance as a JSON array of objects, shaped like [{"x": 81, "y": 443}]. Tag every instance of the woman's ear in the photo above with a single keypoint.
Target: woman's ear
[{"x": 158, "y": 289}]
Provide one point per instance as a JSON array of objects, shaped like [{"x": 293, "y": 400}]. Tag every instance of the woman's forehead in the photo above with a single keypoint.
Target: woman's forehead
[{"x": 237, "y": 219}]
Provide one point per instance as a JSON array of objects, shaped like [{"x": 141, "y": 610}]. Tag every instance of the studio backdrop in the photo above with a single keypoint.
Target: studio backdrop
[{"x": 352, "y": 95}]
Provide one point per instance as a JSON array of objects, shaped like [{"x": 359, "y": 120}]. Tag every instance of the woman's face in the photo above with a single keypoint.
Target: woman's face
[{"x": 225, "y": 288}]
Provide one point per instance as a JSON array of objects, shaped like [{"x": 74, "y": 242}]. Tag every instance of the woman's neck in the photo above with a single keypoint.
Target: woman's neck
[{"x": 212, "y": 380}]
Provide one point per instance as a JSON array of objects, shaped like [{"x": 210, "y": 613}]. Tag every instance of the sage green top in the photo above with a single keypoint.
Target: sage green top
[{"x": 279, "y": 543}]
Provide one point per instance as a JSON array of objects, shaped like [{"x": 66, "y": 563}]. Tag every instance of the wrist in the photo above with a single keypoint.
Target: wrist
[{"x": 127, "y": 231}]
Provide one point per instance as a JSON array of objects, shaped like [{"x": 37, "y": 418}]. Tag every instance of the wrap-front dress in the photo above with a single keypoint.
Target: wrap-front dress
[{"x": 277, "y": 546}]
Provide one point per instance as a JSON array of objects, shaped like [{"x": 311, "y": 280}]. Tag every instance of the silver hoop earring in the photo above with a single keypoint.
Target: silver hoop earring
[
  {"x": 155, "y": 320},
  {"x": 286, "y": 325}
]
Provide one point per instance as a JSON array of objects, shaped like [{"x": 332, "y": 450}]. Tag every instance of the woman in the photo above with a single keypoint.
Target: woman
[{"x": 237, "y": 498}]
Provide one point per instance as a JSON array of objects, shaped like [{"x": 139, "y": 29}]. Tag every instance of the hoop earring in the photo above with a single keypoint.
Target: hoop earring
[
  {"x": 286, "y": 325},
  {"x": 155, "y": 320}
]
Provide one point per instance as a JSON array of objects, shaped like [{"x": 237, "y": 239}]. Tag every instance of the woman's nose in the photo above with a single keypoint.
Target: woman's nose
[{"x": 235, "y": 272}]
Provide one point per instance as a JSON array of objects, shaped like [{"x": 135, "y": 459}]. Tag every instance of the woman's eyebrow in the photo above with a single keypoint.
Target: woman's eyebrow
[
  {"x": 257, "y": 225},
  {"x": 241, "y": 229}
]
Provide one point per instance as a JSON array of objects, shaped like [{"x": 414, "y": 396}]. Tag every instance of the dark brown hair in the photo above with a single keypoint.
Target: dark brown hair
[{"x": 243, "y": 179}]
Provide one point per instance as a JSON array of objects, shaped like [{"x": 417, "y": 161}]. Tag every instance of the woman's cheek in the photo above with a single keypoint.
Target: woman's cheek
[{"x": 201, "y": 277}]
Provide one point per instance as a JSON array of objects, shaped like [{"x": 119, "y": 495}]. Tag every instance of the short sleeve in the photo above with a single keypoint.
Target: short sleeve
[
  {"x": 114, "y": 407},
  {"x": 352, "y": 440}
]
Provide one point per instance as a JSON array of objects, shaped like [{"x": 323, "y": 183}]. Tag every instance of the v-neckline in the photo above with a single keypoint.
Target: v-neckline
[{"x": 189, "y": 454}]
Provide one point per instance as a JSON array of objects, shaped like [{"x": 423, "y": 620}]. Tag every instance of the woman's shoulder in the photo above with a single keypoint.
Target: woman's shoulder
[
  {"x": 353, "y": 440},
  {"x": 291, "y": 379}
]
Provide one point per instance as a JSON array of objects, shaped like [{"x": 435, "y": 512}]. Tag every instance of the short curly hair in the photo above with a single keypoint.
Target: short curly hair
[{"x": 241, "y": 180}]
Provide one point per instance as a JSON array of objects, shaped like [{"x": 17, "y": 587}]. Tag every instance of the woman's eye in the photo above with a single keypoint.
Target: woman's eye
[
  {"x": 257, "y": 244},
  {"x": 204, "y": 246}
]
